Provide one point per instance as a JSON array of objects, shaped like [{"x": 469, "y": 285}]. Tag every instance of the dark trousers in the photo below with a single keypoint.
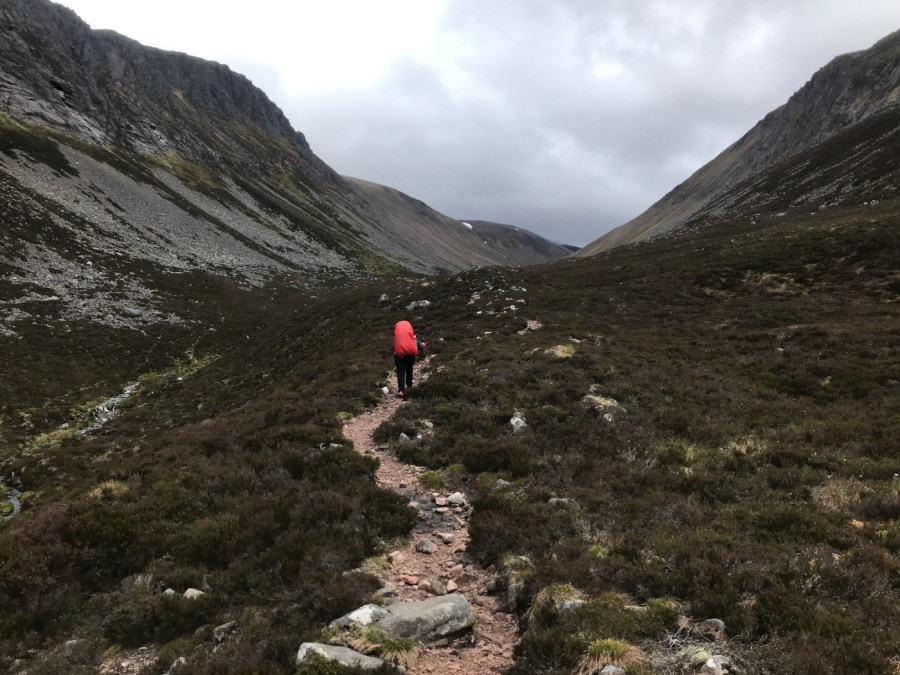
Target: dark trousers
[{"x": 404, "y": 370}]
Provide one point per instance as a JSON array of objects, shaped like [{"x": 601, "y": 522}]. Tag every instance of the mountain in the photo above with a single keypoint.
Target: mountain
[
  {"x": 417, "y": 231},
  {"x": 833, "y": 142},
  {"x": 517, "y": 246},
  {"x": 115, "y": 156}
]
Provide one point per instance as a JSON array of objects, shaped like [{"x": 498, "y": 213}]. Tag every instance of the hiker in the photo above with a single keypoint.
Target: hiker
[{"x": 406, "y": 348}]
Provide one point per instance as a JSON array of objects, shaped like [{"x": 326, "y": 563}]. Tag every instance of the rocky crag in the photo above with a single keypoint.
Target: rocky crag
[{"x": 834, "y": 140}]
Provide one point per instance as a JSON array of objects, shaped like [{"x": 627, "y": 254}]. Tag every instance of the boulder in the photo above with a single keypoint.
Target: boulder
[
  {"x": 223, "y": 631},
  {"x": 713, "y": 629},
  {"x": 457, "y": 499},
  {"x": 360, "y": 617},
  {"x": 426, "y": 546},
  {"x": 430, "y": 619},
  {"x": 417, "y": 304},
  {"x": 193, "y": 593},
  {"x": 517, "y": 422},
  {"x": 342, "y": 655}
]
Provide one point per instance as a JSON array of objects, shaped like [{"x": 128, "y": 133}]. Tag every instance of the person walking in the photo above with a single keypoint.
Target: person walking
[{"x": 406, "y": 348}]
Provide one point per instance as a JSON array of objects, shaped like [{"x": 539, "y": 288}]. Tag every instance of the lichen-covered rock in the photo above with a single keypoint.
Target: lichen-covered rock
[
  {"x": 428, "y": 619},
  {"x": 360, "y": 617},
  {"x": 342, "y": 655}
]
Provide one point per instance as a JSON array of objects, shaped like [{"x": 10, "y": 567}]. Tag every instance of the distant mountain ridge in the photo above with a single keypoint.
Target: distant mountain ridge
[
  {"x": 115, "y": 156},
  {"x": 850, "y": 91}
]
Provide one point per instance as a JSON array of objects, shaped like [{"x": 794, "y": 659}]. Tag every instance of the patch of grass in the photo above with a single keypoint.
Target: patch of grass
[
  {"x": 432, "y": 480},
  {"x": 610, "y": 652}
]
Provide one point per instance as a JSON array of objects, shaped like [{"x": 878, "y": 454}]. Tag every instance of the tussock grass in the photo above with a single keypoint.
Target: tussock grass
[{"x": 610, "y": 652}]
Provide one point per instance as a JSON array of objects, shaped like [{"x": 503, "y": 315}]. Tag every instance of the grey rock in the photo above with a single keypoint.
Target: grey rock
[
  {"x": 384, "y": 298},
  {"x": 418, "y": 304},
  {"x": 562, "y": 501},
  {"x": 612, "y": 670},
  {"x": 177, "y": 665},
  {"x": 429, "y": 619},
  {"x": 457, "y": 499},
  {"x": 404, "y": 439},
  {"x": 386, "y": 591},
  {"x": 514, "y": 592},
  {"x": 193, "y": 593},
  {"x": 501, "y": 484},
  {"x": 438, "y": 587},
  {"x": 362, "y": 616},
  {"x": 426, "y": 546},
  {"x": 169, "y": 591},
  {"x": 517, "y": 422},
  {"x": 342, "y": 655},
  {"x": 223, "y": 631}
]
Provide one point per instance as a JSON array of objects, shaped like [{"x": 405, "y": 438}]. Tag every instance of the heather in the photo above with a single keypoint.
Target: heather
[{"x": 711, "y": 431}]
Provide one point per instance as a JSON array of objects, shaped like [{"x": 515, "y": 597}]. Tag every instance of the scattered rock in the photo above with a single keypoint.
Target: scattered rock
[
  {"x": 457, "y": 499},
  {"x": 428, "y": 619},
  {"x": 362, "y": 616},
  {"x": 517, "y": 422},
  {"x": 385, "y": 391},
  {"x": 716, "y": 665},
  {"x": 445, "y": 537},
  {"x": 437, "y": 587},
  {"x": 452, "y": 586},
  {"x": 193, "y": 593},
  {"x": 169, "y": 591},
  {"x": 426, "y": 546},
  {"x": 713, "y": 629},
  {"x": 342, "y": 655},
  {"x": 409, "y": 579},
  {"x": 441, "y": 501},
  {"x": 612, "y": 670},
  {"x": 501, "y": 484},
  {"x": 395, "y": 557},
  {"x": 223, "y": 631},
  {"x": 417, "y": 304},
  {"x": 386, "y": 591},
  {"x": 384, "y": 298},
  {"x": 177, "y": 665},
  {"x": 562, "y": 501},
  {"x": 404, "y": 439}
]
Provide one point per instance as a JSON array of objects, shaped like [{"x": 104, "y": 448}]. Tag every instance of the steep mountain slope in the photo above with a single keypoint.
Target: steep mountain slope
[
  {"x": 124, "y": 156},
  {"x": 415, "y": 231},
  {"x": 847, "y": 93},
  {"x": 518, "y": 246}
]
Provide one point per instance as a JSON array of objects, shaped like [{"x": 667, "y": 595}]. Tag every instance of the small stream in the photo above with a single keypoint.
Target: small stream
[
  {"x": 14, "y": 497},
  {"x": 104, "y": 412}
]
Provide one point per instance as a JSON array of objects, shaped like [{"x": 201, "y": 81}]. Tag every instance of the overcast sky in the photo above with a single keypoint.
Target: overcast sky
[{"x": 567, "y": 117}]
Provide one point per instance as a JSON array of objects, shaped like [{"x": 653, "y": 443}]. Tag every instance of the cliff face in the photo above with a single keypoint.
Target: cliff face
[
  {"x": 850, "y": 90},
  {"x": 109, "y": 89}
]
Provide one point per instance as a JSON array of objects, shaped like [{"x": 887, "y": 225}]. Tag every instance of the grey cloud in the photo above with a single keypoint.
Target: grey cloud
[{"x": 535, "y": 138}]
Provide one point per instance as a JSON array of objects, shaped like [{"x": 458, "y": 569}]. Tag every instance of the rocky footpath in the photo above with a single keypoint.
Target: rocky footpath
[{"x": 432, "y": 582}]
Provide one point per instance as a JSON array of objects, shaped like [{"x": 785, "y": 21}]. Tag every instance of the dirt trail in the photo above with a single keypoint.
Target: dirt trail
[{"x": 488, "y": 649}]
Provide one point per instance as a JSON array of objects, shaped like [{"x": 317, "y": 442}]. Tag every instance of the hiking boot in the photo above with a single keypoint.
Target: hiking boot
[{"x": 400, "y": 394}]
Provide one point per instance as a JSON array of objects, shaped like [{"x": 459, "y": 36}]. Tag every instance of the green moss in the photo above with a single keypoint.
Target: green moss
[
  {"x": 52, "y": 440},
  {"x": 432, "y": 480}
]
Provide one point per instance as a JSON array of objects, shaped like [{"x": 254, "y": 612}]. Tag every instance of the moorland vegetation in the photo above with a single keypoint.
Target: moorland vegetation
[{"x": 714, "y": 417}]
